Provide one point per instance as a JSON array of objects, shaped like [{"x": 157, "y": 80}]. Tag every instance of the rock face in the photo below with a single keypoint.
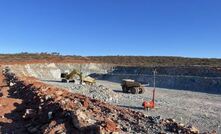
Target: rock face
[
  {"x": 202, "y": 79},
  {"x": 53, "y": 70},
  {"x": 191, "y": 83},
  {"x": 174, "y": 71}
]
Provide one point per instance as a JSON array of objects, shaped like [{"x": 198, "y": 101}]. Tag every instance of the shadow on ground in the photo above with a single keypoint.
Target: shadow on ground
[
  {"x": 59, "y": 81},
  {"x": 132, "y": 107},
  {"x": 118, "y": 91},
  {"x": 36, "y": 122}
]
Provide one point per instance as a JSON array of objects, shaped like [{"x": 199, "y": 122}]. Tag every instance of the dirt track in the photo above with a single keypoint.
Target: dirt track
[{"x": 198, "y": 109}]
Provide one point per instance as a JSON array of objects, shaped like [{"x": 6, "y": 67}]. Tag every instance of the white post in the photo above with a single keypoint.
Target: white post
[
  {"x": 154, "y": 79},
  {"x": 154, "y": 73}
]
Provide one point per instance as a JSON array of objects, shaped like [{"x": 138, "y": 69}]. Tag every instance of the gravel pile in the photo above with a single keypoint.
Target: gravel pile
[{"x": 99, "y": 92}]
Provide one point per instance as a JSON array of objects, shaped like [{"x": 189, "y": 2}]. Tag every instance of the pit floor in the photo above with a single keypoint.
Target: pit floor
[{"x": 201, "y": 110}]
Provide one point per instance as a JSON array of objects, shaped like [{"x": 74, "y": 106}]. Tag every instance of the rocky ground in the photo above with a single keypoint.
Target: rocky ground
[
  {"x": 99, "y": 92},
  {"x": 193, "y": 108},
  {"x": 30, "y": 106}
]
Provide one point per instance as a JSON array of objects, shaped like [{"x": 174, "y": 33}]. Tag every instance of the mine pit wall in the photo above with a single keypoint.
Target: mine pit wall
[
  {"x": 199, "y": 84},
  {"x": 203, "y": 79},
  {"x": 53, "y": 71}
]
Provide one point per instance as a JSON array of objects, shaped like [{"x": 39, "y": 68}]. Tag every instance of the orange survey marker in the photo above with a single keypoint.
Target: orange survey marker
[{"x": 150, "y": 104}]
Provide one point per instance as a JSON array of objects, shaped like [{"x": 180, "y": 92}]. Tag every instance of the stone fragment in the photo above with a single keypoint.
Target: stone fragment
[
  {"x": 85, "y": 103},
  {"x": 110, "y": 125},
  {"x": 29, "y": 113},
  {"x": 47, "y": 97},
  {"x": 58, "y": 93},
  {"x": 82, "y": 119},
  {"x": 194, "y": 130},
  {"x": 50, "y": 115}
]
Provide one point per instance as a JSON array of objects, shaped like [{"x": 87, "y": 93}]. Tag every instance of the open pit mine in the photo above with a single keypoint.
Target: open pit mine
[{"x": 33, "y": 99}]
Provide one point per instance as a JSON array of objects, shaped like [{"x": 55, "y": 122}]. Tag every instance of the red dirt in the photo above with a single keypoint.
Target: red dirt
[
  {"x": 30, "y": 106},
  {"x": 7, "y": 106},
  {"x": 16, "y": 102}
]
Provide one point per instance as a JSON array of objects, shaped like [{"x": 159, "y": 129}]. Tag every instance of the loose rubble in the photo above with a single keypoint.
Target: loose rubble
[
  {"x": 48, "y": 109},
  {"x": 93, "y": 91}
]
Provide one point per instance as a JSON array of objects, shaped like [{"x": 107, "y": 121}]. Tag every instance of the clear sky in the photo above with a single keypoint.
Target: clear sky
[{"x": 190, "y": 28}]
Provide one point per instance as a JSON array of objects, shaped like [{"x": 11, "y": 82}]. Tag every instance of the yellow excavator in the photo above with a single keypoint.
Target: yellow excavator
[{"x": 75, "y": 75}]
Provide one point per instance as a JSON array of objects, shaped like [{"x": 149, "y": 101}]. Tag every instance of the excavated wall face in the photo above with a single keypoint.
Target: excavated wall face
[
  {"x": 201, "y": 79},
  {"x": 199, "y": 84},
  {"x": 53, "y": 71}
]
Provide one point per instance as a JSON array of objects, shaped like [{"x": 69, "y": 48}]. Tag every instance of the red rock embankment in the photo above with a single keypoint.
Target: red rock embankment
[{"x": 41, "y": 108}]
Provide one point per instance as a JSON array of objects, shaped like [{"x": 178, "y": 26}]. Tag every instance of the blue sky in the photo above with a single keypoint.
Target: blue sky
[{"x": 189, "y": 28}]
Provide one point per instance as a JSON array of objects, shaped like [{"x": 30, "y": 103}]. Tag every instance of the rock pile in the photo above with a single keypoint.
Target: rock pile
[{"x": 94, "y": 91}]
